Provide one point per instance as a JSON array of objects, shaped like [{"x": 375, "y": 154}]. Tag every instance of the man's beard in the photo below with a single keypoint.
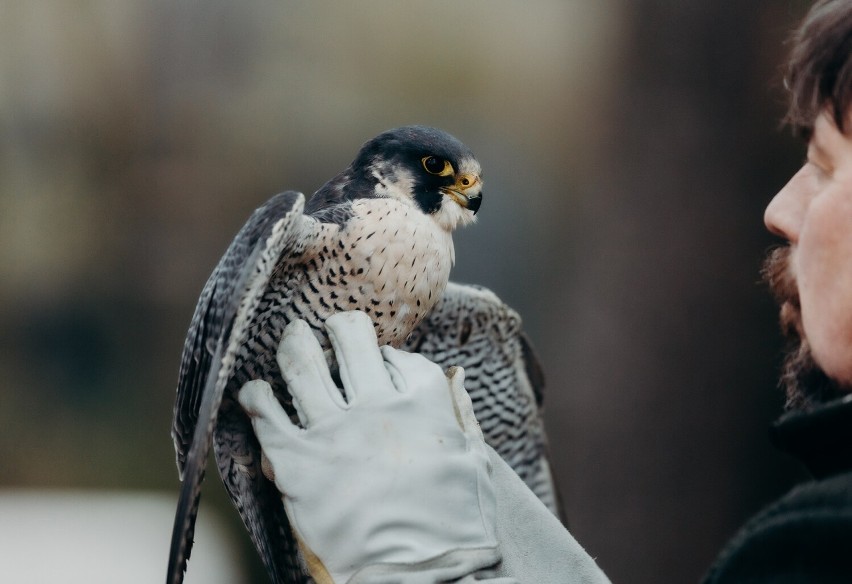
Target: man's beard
[{"x": 804, "y": 382}]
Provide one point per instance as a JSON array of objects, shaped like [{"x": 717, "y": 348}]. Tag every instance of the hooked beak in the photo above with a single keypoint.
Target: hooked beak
[{"x": 467, "y": 191}]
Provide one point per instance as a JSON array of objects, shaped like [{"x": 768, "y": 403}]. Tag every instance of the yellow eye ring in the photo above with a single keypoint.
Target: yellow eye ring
[{"x": 438, "y": 166}]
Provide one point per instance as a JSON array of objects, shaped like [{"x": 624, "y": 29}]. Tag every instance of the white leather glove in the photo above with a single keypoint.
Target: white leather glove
[{"x": 395, "y": 476}]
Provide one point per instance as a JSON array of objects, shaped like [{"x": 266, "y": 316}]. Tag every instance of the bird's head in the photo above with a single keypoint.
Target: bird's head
[{"x": 424, "y": 166}]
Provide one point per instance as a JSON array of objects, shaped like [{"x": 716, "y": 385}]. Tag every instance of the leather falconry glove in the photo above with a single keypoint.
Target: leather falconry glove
[{"x": 392, "y": 479}]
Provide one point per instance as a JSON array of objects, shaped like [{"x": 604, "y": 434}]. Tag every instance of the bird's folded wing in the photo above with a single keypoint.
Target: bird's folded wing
[
  {"x": 224, "y": 311},
  {"x": 472, "y": 328}
]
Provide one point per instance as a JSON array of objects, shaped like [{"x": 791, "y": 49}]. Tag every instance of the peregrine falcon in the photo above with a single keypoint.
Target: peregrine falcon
[{"x": 376, "y": 238}]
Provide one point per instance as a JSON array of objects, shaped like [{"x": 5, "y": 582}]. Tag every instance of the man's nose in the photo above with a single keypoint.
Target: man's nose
[{"x": 786, "y": 210}]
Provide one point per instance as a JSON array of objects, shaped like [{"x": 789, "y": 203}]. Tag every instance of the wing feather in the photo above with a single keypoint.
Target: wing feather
[
  {"x": 471, "y": 327},
  {"x": 218, "y": 328}
]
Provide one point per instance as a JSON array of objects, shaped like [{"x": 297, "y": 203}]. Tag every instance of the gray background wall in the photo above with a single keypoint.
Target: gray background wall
[{"x": 629, "y": 149}]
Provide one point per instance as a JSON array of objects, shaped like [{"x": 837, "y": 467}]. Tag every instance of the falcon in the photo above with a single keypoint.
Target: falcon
[{"x": 377, "y": 238}]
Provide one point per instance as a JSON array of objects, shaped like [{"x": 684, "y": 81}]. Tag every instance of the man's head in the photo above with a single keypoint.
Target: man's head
[
  {"x": 812, "y": 278},
  {"x": 819, "y": 70}
]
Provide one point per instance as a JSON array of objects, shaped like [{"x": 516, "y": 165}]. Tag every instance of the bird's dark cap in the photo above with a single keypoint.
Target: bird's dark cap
[{"x": 414, "y": 140}]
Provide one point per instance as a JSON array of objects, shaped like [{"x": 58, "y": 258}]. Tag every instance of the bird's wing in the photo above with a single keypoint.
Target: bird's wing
[
  {"x": 472, "y": 328},
  {"x": 218, "y": 328},
  {"x": 338, "y": 212}
]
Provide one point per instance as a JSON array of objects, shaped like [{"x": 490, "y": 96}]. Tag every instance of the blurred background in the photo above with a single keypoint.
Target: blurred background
[{"x": 629, "y": 148}]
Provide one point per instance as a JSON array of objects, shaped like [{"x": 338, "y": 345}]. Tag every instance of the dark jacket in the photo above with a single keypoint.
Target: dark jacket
[{"x": 806, "y": 535}]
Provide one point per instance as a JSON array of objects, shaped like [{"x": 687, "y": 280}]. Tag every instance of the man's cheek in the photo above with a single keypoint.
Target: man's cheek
[{"x": 827, "y": 324}]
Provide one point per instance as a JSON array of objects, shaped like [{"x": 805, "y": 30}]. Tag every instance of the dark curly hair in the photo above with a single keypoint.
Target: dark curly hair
[{"x": 819, "y": 70}]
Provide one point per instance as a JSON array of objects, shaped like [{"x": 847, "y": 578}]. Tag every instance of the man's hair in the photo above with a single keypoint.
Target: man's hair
[{"x": 819, "y": 70}]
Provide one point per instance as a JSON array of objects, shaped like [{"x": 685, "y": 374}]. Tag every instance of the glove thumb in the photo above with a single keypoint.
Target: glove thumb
[{"x": 462, "y": 406}]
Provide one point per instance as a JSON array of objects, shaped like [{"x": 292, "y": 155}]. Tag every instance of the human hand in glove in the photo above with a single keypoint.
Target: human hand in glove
[{"x": 394, "y": 477}]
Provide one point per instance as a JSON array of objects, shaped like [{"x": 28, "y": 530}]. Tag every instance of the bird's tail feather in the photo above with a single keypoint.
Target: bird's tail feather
[{"x": 183, "y": 530}]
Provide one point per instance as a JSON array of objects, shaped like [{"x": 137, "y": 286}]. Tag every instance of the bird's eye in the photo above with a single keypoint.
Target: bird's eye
[{"x": 435, "y": 165}]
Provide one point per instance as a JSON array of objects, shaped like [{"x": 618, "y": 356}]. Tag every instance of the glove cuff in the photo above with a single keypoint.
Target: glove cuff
[{"x": 447, "y": 567}]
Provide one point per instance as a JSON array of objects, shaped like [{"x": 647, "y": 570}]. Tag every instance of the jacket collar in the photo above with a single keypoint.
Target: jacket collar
[{"x": 821, "y": 438}]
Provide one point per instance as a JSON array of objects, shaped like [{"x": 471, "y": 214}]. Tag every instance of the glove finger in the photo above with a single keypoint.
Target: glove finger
[
  {"x": 362, "y": 368},
  {"x": 282, "y": 443},
  {"x": 412, "y": 371},
  {"x": 304, "y": 368},
  {"x": 396, "y": 376},
  {"x": 267, "y": 416}
]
